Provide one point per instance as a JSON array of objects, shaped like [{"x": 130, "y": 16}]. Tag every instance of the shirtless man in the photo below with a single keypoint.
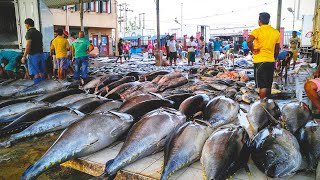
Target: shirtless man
[{"x": 312, "y": 88}]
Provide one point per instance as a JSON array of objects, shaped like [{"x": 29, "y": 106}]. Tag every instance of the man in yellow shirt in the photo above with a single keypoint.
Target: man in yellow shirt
[
  {"x": 294, "y": 45},
  {"x": 264, "y": 43},
  {"x": 61, "y": 47}
]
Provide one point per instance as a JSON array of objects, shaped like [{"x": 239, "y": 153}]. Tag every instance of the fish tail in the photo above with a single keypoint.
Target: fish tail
[
  {"x": 5, "y": 144},
  {"x": 32, "y": 172},
  {"x": 110, "y": 168}
]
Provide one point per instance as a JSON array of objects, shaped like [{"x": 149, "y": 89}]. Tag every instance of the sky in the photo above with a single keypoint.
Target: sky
[{"x": 217, "y": 14}]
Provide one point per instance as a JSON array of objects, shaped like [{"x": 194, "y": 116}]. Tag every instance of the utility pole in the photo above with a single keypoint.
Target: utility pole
[
  {"x": 158, "y": 55},
  {"x": 279, "y": 15},
  {"x": 81, "y": 14},
  {"x": 120, "y": 17},
  {"x": 181, "y": 20},
  {"x": 140, "y": 21},
  {"x": 143, "y": 20}
]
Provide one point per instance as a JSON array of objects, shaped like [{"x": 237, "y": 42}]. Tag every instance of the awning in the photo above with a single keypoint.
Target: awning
[
  {"x": 59, "y": 3},
  {"x": 131, "y": 37}
]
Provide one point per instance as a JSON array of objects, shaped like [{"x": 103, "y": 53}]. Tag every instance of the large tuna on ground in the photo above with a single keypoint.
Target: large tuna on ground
[
  {"x": 276, "y": 152},
  {"x": 53, "y": 122},
  {"x": 85, "y": 137},
  {"x": 220, "y": 111},
  {"x": 295, "y": 115},
  {"x": 184, "y": 147},
  {"x": 146, "y": 137},
  {"x": 309, "y": 140},
  {"x": 43, "y": 87},
  {"x": 225, "y": 152}
]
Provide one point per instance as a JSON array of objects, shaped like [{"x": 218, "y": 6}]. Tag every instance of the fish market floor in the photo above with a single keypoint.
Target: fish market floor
[{"x": 151, "y": 167}]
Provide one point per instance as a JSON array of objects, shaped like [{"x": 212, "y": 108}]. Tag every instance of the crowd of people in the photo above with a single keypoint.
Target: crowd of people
[{"x": 68, "y": 54}]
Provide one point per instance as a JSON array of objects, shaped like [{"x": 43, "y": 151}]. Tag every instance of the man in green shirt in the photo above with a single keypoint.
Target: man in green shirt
[{"x": 80, "y": 50}]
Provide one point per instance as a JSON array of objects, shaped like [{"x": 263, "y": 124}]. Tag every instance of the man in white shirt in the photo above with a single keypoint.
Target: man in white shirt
[
  {"x": 172, "y": 47},
  {"x": 191, "y": 51}
]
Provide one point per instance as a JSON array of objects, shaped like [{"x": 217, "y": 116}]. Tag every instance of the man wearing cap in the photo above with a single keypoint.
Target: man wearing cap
[
  {"x": 191, "y": 45},
  {"x": 264, "y": 43},
  {"x": 172, "y": 46},
  {"x": 61, "y": 47},
  {"x": 81, "y": 47}
]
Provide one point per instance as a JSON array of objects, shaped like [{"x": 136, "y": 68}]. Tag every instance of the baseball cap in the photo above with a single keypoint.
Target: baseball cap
[{"x": 66, "y": 33}]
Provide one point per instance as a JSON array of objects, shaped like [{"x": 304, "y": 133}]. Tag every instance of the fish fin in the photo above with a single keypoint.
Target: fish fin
[{"x": 78, "y": 112}]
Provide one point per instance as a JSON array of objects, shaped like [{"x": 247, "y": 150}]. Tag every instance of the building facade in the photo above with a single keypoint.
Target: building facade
[{"x": 99, "y": 20}]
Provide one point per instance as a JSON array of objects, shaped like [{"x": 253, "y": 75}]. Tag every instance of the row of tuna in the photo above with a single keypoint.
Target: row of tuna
[{"x": 219, "y": 136}]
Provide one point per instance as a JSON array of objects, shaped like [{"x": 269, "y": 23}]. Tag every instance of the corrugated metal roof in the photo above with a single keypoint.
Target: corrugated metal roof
[{"x": 59, "y": 3}]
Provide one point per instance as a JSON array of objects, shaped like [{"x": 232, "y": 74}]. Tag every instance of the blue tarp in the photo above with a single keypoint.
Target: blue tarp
[
  {"x": 131, "y": 37},
  {"x": 155, "y": 37}
]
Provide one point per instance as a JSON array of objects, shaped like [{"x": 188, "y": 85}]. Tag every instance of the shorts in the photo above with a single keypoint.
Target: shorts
[
  {"x": 173, "y": 55},
  {"x": 295, "y": 54},
  {"x": 63, "y": 63},
  {"x": 263, "y": 73},
  {"x": 37, "y": 63},
  {"x": 120, "y": 53},
  {"x": 191, "y": 56},
  {"x": 245, "y": 51},
  {"x": 201, "y": 54},
  {"x": 54, "y": 62},
  {"x": 216, "y": 54},
  {"x": 211, "y": 54},
  {"x": 150, "y": 51},
  {"x": 285, "y": 63}
]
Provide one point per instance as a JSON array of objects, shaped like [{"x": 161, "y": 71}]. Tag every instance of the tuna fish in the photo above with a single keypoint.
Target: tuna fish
[
  {"x": 87, "y": 105},
  {"x": 171, "y": 81},
  {"x": 194, "y": 104},
  {"x": 146, "y": 137},
  {"x": 55, "y": 96},
  {"x": 178, "y": 98},
  {"x": 72, "y": 99},
  {"x": 184, "y": 147},
  {"x": 29, "y": 118},
  {"x": 8, "y": 102},
  {"x": 115, "y": 93},
  {"x": 224, "y": 153},
  {"x": 136, "y": 74},
  {"x": 123, "y": 80},
  {"x": 43, "y": 87},
  {"x": 220, "y": 111},
  {"x": 259, "y": 115},
  {"x": 110, "y": 78},
  {"x": 18, "y": 109},
  {"x": 8, "y": 90},
  {"x": 276, "y": 152},
  {"x": 296, "y": 115},
  {"x": 91, "y": 85},
  {"x": 85, "y": 137},
  {"x": 53, "y": 122},
  {"x": 309, "y": 140},
  {"x": 152, "y": 75},
  {"x": 142, "y": 104},
  {"x": 108, "y": 106},
  {"x": 143, "y": 88}
]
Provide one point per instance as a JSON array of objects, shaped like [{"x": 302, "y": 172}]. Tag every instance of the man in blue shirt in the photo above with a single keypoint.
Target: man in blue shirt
[
  {"x": 216, "y": 49},
  {"x": 11, "y": 61},
  {"x": 283, "y": 62},
  {"x": 245, "y": 47}
]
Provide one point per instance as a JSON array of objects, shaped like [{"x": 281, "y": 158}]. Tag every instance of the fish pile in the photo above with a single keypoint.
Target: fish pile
[{"x": 190, "y": 119}]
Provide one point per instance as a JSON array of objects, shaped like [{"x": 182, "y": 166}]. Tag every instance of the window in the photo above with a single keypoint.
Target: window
[
  {"x": 109, "y": 6},
  {"x": 76, "y": 7},
  {"x": 104, "y": 6},
  {"x": 97, "y": 6},
  {"x": 92, "y": 6}
]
